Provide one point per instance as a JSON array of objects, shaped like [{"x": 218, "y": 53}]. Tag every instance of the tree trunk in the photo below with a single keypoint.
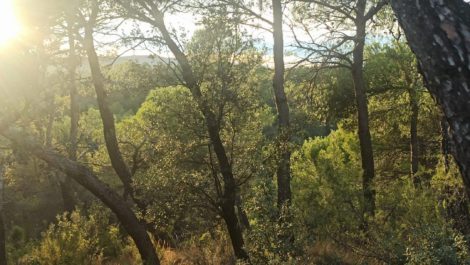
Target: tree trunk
[
  {"x": 445, "y": 144},
  {"x": 456, "y": 198},
  {"x": 74, "y": 104},
  {"x": 283, "y": 168},
  {"x": 3, "y": 250},
  {"x": 109, "y": 129},
  {"x": 68, "y": 198},
  {"x": 414, "y": 155},
  {"x": 438, "y": 32},
  {"x": 234, "y": 230},
  {"x": 367, "y": 156},
  {"x": 66, "y": 185},
  {"x": 50, "y": 120},
  {"x": 229, "y": 195},
  {"x": 87, "y": 179}
]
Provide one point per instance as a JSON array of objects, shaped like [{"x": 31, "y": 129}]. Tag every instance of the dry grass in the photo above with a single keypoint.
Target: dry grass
[
  {"x": 327, "y": 253},
  {"x": 220, "y": 253}
]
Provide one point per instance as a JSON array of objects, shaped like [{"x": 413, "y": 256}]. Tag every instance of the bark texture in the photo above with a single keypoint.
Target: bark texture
[
  {"x": 365, "y": 141},
  {"x": 438, "y": 32},
  {"x": 283, "y": 167},
  {"x": 455, "y": 198}
]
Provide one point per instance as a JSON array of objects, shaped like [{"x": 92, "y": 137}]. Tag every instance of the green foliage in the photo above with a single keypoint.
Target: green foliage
[
  {"x": 327, "y": 173},
  {"x": 436, "y": 245},
  {"x": 78, "y": 239},
  {"x": 131, "y": 82},
  {"x": 262, "y": 236},
  {"x": 163, "y": 138}
]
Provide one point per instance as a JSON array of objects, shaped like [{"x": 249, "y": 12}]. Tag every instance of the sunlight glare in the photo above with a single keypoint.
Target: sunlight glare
[{"x": 9, "y": 25}]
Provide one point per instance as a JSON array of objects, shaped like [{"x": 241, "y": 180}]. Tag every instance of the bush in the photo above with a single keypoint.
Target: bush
[
  {"x": 437, "y": 245},
  {"x": 78, "y": 239}
]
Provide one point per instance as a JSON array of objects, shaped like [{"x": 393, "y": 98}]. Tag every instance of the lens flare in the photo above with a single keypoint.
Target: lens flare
[{"x": 9, "y": 25}]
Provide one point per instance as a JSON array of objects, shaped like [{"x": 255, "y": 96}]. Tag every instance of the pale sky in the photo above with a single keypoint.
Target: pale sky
[{"x": 187, "y": 23}]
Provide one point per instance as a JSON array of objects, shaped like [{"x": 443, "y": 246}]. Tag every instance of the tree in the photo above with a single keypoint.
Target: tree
[
  {"x": 87, "y": 179},
  {"x": 72, "y": 64},
  {"x": 107, "y": 117},
  {"x": 344, "y": 50},
  {"x": 283, "y": 169},
  {"x": 153, "y": 14},
  {"x": 85, "y": 176},
  {"x": 405, "y": 82},
  {"x": 439, "y": 35},
  {"x": 246, "y": 10},
  {"x": 3, "y": 253}
]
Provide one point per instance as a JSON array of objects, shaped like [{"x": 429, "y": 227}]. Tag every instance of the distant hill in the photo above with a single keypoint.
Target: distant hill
[
  {"x": 140, "y": 59},
  {"x": 106, "y": 61}
]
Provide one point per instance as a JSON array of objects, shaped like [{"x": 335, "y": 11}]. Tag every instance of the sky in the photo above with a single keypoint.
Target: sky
[
  {"x": 10, "y": 28},
  {"x": 188, "y": 23}
]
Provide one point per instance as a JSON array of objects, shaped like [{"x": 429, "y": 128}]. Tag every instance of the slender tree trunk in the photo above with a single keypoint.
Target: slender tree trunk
[
  {"x": 367, "y": 156},
  {"x": 107, "y": 117},
  {"x": 88, "y": 180},
  {"x": 438, "y": 32},
  {"x": 66, "y": 185},
  {"x": 234, "y": 230},
  {"x": 414, "y": 155},
  {"x": 229, "y": 195},
  {"x": 64, "y": 181},
  {"x": 283, "y": 169},
  {"x": 50, "y": 121},
  {"x": 445, "y": 144},
  {"x": 74, "y": 104},
  {"x": 109, "y": 129},
  {"x": 3, "y": 250},
  {"x": 242, "y": 216},
  {"x": 67, "y": 192}
]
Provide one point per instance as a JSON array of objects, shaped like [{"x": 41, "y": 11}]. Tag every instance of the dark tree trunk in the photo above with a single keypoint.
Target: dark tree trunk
[
  {"x": 367, "y": 156},
  {"x": 445, "y": 144},
  {"x": 50, "y": 120},
  {"x": 414, "y": 151},
  {"x": 68, "y": 198},
  {"x": 87, "y": 179},
  {"x": 229, "y": 195},
  {"x": 109, "y": 129},
  {"x": 74, "y": 104},
  {"x": 283, "y": 167},
  {"x": 438, "y": 32},
  {"x": 3, "y": 239},
  {"x": 234, "y": 230},
  {"x": 457, "y": 209},
  {"x": 242, "y": 216},
  {"x": 3, "y": 250},
  {"x": 456, "y": 199},
  {"x": 66, "y": 185}
]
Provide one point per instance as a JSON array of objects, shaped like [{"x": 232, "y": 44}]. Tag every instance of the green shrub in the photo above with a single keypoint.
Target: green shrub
[
  {"x": 78, "y": 239},
  {"x": 434, "y": 245}
]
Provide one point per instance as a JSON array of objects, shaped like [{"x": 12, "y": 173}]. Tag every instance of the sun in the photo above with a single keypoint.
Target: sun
[{"x": 9, "y": 25}]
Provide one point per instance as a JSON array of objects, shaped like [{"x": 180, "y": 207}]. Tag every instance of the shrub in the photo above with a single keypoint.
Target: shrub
[
  {"x": 78, "y": 239},
  {"x": 434, "y": 245}
]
